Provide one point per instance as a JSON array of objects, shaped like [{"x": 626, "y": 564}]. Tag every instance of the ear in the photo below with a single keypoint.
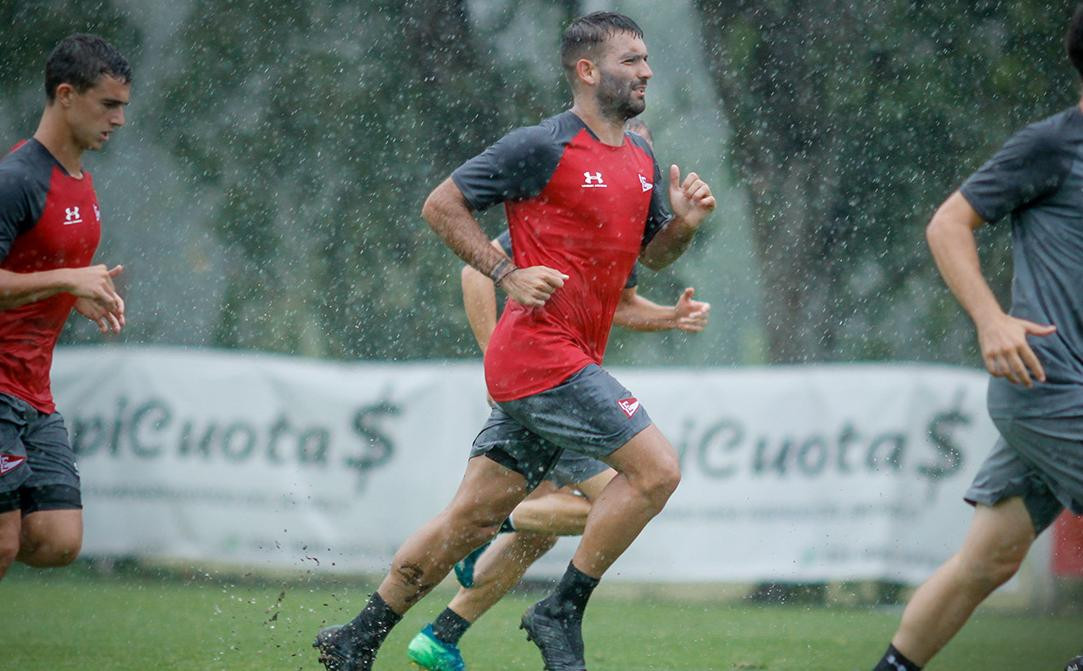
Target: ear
[
  {"x": 63, "y": 93},
  {"x": 586, "y": 72}
]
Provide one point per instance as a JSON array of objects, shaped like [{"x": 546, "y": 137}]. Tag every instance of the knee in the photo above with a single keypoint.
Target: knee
[
  {"x": 988, "y": 572},
  {"x": 658, "y": 483},
  {"x": 50, "y": 552},
  {"x": 475, "y": 526}
]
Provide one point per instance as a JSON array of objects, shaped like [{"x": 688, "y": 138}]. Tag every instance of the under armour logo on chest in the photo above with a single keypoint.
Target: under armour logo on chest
[
  {"x": 71, "y": 216},
  {"x": 593, "y": 180}
]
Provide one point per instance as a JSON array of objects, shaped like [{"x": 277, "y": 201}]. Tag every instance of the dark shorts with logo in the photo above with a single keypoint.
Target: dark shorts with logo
[
  {"x": 37, "y": 464},
  {"x": 1037, "y": 459},
  {"x": 590, "y": 414}
]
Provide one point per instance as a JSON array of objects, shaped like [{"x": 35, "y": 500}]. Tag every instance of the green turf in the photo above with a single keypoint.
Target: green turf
[{"x": 73, "y": 619}]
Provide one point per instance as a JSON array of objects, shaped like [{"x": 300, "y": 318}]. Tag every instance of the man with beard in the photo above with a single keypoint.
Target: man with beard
[{"x": 582, "y": 206}]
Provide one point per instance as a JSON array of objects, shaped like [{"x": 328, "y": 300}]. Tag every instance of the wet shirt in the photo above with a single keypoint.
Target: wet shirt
[
  {"x": 578, "y": 206},
  {"x": 48, "y": 220},
  {"x": 504, "y": 240},
  {"x": 1037, "y": 179}
]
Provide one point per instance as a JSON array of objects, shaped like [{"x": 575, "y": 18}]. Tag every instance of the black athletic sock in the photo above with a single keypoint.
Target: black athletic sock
[
  {"x": 893, "y": 660},
  {"x": 449, "y": 626},
  {"x": 371, "y": 626},
  {"x": 572, "y": 592}
]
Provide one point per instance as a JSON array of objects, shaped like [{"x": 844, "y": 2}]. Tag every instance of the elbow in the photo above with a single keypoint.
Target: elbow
[
  {"x": 936, "y": 229},
  {"x": 430, "y": 209}
]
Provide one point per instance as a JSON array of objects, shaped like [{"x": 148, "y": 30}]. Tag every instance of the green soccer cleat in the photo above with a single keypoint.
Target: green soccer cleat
[
  {"x": 464, "y": 568},
  {"x": 429, "y": 652}
]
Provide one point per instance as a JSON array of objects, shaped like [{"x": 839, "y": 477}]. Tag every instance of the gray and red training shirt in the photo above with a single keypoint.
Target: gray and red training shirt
[
  {"x": 579, "y": 206},
  {"x": 48, "y": 220}
]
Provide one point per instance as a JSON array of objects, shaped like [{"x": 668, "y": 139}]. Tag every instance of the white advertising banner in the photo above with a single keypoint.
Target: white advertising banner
[{"x": 792, "y": 473}]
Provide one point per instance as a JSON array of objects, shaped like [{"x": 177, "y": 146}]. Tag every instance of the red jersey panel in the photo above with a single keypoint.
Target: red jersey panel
[
  {"x": 48, "y": 220},
  {"x": 576, "y": 205}
]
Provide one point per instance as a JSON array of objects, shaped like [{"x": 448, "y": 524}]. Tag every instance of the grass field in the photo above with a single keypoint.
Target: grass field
[{"x": 77, "y": 619}]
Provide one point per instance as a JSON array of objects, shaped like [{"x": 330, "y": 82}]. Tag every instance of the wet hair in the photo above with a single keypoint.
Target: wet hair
[
  {"x": 81, "y": 60},
  {"x": 1073, "y": 40},
  {"x": 584, "y": 36}
]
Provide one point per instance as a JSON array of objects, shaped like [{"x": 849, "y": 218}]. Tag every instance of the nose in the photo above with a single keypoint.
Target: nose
[
  {"x": 118, "y": 118},
  {"x": 645, "y": 71}
]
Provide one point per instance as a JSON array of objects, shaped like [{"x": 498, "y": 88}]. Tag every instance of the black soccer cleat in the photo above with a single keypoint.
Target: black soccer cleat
[
  {"x": 1075, "y": 664},
  {"x": 338, "y": 653},
  {"x": 560, "y": 639}
]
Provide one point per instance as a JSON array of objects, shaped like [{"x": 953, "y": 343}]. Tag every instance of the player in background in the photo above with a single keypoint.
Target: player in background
[
  {"x": 1034, "y": 353},
  {"x": 583, "y": 202},
  {"x": 561, "y": 503},
  {"x": 49, "y": 230}
]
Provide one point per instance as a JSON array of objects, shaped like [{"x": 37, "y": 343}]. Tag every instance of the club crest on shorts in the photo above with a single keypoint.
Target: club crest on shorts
[
  {"x": 629, "y": 405},
  {"x": 9, "y": 462}
]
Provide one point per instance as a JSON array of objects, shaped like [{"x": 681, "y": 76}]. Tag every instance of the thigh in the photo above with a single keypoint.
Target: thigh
[
  {"x": 1001, "y": 532},
  {"x": 590, "y": 413},
  {"x": 515, "y": 447},
  {"x": 54, "y": 480},
  {"x": 57, "y": 528},
  {"x": 648, "y": 453}
]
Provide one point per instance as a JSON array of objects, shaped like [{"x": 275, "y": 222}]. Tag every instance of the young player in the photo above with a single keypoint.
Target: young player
[
  {"x": 583, "y": 202},
  {"x": 1035, "y": 355},
  {"x": 49, "y": 231}
]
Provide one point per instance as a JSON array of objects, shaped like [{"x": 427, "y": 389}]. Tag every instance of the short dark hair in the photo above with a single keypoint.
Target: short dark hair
[
  {"x": 81, "y": 60},
  {"x": 584, "y": 35},
  {"x": 1073, "y": 40}
]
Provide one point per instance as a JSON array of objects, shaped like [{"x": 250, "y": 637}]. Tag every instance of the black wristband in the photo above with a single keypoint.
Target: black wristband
[{"x": 501, "y": 270}]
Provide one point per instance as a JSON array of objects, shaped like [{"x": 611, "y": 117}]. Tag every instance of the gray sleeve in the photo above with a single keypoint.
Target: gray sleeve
[
  {"x": 658, "y": 215},
  {"x": 1032, "y": 164},
  {"x": 518, "y": 166},
  {"x": 16, "y": 208}
]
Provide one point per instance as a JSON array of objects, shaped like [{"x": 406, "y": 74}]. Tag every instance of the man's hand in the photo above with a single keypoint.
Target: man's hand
[
  {"x": 106, "y": 320},
  {"x": 531, "y": 287},
  {"x": 96, "y": 283},
  {"x": 691, "y": 315},
  {"x": 691, "y": 200},
  {"x": 1004, "y": 348}
]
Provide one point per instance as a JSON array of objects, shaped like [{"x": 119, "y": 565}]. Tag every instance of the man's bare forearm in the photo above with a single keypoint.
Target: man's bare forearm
[
  {"x": 479, "y": 300},
  {"x": 951, "y": 240},
  {"x": 447, "y": 212},
  {"x": 668, "y": 244},
  {"x": 640, "y": 314},
  {"x": 18, "y": 289}
]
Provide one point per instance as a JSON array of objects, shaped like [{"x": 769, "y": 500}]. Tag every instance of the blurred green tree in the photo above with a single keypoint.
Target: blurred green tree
[
  {"x": 318, "y": 128},
  {"x": 851, "y": 123}
]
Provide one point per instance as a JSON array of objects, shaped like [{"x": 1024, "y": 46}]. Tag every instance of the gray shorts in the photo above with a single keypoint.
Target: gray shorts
[
  {"x": 37, "y": 465},
  {"x": 1037, "y": 459},
  {"x": 573, "y": 468},
  {"x": 590, "y": 414}
]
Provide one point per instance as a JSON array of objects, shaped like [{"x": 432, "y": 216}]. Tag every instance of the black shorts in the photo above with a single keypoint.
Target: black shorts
[
  {"x": 590, "y": 413},
  {"x": 37, "y": 464}
]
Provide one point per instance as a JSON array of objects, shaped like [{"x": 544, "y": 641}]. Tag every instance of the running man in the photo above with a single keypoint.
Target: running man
[
  {"x": 583, "y": 202},
  {"x": 49, "y": 230},
  {"x": 1035, "y": 355},
  {"x": 560, "y": 505}
]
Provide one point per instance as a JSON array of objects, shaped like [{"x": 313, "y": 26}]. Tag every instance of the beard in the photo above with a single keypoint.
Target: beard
[{"x": 615, "y": 98}]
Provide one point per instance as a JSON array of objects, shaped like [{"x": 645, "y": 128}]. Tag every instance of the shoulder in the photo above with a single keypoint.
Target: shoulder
[{"x": 639, "y": 142}]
